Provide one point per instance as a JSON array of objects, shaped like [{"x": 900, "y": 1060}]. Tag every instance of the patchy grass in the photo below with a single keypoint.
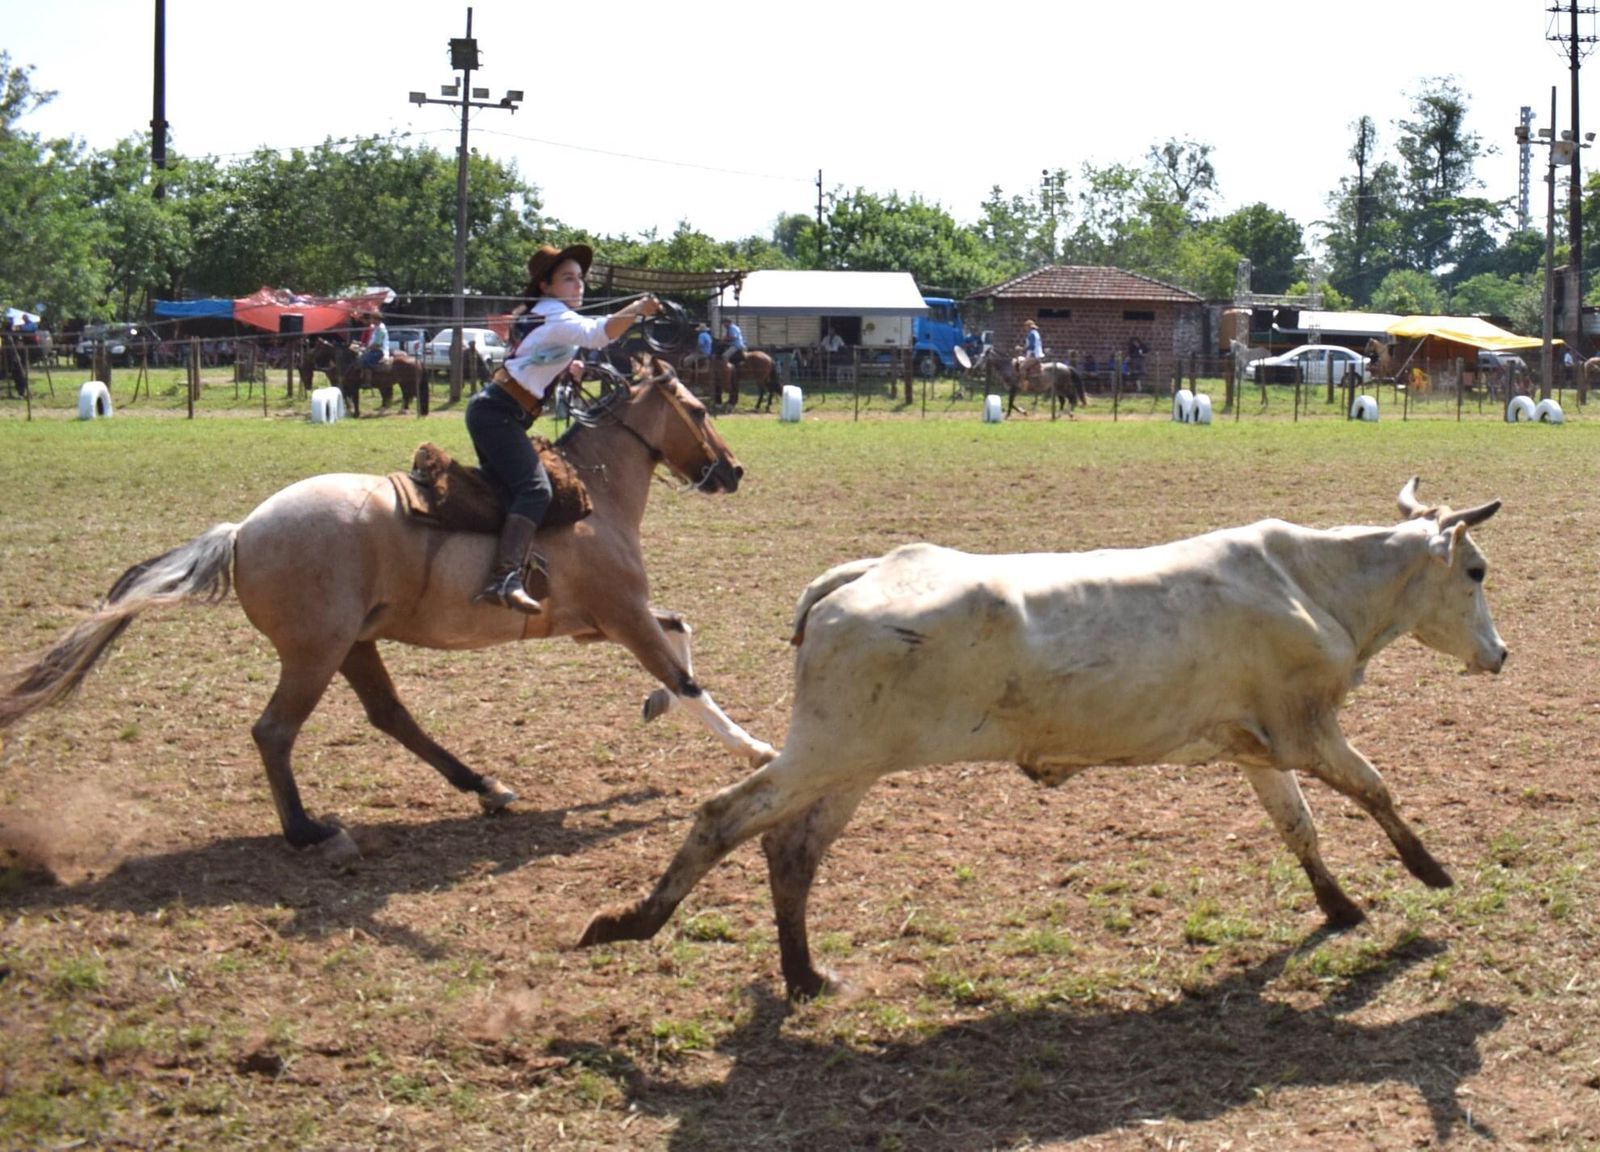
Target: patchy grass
[{"x": 1130, "y": 959}]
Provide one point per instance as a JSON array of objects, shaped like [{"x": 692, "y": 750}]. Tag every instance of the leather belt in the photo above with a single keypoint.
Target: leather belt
[{"x": 529, "y": 403}]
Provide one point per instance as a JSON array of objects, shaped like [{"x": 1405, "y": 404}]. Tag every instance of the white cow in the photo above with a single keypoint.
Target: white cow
[{"x": 1237, "y": 645}]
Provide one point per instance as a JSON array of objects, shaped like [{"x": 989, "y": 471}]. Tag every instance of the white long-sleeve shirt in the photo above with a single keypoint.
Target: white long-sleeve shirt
[{"x": 550, "y": 347}]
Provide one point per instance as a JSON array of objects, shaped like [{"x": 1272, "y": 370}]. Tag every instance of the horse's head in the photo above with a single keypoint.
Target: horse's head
[{"x": 678, "y": 429}]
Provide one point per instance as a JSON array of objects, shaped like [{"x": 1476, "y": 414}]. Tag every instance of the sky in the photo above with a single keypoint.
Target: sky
[{"x": 639, "y": 116}]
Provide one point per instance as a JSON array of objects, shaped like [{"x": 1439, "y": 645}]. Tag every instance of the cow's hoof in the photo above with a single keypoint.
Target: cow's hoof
[
  {"x": 337, "y": 850},
  {"x": 619, "y": 922},
  {"x": 815, "y": 984},
  {"x": 495, "y": 797},
  {"x": 762, "y": 753}
]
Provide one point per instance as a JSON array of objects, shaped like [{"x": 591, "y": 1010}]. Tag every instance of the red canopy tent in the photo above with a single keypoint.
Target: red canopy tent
[{"x": 264, "y": 307}]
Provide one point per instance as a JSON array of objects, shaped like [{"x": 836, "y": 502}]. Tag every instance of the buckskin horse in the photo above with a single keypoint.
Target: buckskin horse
[{"x": 380, "y": 576}]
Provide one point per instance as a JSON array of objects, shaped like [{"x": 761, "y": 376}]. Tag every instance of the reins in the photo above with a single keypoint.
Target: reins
[{"x": 593, "y": 417}]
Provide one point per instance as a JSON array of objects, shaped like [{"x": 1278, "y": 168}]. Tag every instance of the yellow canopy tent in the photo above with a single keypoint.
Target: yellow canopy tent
[{"x": 1468, "y": 330}]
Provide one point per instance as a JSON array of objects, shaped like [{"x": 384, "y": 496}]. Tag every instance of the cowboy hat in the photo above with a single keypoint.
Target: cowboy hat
[
  {"x": 1029, "y": 324},
  {"x": 548, "y": 257}
]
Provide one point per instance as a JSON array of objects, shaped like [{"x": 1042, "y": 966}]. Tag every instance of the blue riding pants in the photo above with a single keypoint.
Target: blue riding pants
[{"x": 499, "y": 427}]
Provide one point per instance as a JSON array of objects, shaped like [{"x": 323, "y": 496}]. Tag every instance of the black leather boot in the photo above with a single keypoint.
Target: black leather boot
[{"x": 505, "y": 578}]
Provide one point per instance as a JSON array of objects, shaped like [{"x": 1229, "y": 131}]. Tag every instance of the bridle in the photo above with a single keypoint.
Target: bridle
[{"x": 664, "y": 383}]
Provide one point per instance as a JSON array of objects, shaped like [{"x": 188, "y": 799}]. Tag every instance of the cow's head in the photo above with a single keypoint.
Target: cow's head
[{"x": 1455, "y": 615}]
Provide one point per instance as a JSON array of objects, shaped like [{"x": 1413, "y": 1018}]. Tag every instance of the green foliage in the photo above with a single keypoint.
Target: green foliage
[
  {"x": 870, "y": 233},
  {"x": 1491, "y": 295},
  {"x": 1407, "y": 292},
  {"x": 1270, "y": 240}
]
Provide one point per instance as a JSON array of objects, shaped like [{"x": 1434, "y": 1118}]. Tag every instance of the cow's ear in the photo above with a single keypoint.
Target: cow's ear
[{"x": 1442, "y": 545}]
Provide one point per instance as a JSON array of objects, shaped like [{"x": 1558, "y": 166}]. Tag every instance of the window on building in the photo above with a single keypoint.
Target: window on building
[
  {"x": 1055, "y": 314},
  {"x": 1138, "y": 314}
]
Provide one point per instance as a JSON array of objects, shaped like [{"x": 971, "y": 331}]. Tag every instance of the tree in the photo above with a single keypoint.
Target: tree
[
  {"x": 1270, "y": 240},
  {"x": 1186, "y": 166},
  {"x": 48, "y": 261},
  {"x": 1407, "y": 292},
  {"x": 871, "y": 233},
  {"x": 1487, "y": 294},
  {"x": 1364, "y": 231},
  {"x": 146, "y": 241},
  {"x": 1441, "y": 223}
]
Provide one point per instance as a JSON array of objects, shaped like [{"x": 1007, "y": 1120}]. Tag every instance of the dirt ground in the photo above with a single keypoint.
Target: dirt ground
[{"x": 1131, "y": 961}]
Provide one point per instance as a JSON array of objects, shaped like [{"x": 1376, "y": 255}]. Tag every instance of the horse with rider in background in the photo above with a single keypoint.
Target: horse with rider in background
[{"x": 1060, "y": 381}]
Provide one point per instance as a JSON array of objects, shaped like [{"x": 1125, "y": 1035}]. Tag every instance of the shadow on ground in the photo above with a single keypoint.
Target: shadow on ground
[{"x": 1062, "y": 1073}]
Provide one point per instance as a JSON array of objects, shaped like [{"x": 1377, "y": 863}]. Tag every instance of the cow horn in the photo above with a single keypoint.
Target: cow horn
[
  {"x": 1409, "y": 504},
  {"x": 1469, "y": 516}
]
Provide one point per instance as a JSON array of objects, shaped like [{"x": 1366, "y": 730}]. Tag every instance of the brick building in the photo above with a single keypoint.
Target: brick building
[{"x": 1096, "y": 312}]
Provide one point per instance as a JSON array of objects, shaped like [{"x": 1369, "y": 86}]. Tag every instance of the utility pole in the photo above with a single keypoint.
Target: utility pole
[
  {"x": 158, "y": 110},
  {"x": 463, "y": 59},
  {"x": 821, "y": 263},
  {"x": 1572, "y": 319}
]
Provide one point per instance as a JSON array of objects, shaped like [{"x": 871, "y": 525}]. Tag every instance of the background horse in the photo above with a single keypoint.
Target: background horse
[
  {"x": 328, "y": 567},
  {"x": 318, "y": 355},
  {"x": 715, "y": 376},
  {"x": 1062, "y": 382},
  {"x": 1382, "y": 356},
  {"x": 399, "y": 370}
]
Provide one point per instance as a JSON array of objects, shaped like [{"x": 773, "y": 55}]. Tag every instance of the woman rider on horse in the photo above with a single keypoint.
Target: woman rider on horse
[
  {"x": 1032, "y": 354},
  {"x": 498, "y": 418}
]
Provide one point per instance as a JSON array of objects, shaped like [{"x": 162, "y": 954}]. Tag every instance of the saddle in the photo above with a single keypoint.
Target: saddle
[{"x": 444, "y": 493}]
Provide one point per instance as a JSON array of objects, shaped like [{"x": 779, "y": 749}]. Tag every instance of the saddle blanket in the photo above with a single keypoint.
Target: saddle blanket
[{"x": 444, "y": 493}]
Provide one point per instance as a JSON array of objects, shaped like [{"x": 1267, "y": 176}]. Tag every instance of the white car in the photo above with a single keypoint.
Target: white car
[
  {"x": 489, "y": 345},
  {"x": 1309, "y": 364}
]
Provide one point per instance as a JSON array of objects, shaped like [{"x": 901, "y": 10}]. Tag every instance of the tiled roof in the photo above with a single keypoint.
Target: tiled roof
[{"x": 1082, "y": 282}]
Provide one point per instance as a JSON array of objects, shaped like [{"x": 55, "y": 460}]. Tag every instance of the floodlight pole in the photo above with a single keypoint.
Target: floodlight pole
[{"x": 463, "y": 58}]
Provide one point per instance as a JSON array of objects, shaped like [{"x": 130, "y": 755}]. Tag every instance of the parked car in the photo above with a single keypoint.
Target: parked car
[
  {"x": 1308, "y": 364},
  {"x": 436, "y": 356},
  {"x": 125, "y": 344},
  {"x": 408, "y": 340},
  {"x": 1499, "y": 364}
]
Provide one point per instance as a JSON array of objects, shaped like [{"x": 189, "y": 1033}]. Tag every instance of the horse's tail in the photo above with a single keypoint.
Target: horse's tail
[
  {"x": 201, "y": 569},
  {"x": 824, "y": 586}
]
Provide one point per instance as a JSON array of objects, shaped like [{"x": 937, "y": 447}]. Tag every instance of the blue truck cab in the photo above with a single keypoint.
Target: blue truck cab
[{"x": 935, "y": 335}]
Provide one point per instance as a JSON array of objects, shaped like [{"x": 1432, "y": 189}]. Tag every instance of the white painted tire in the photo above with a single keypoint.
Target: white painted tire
[
  {"x": 790, "y": 404},
  {"x": 94, "y": 400},
  {"x": 992, "y": 413},
  {"x": 1202, "y": 408},
  {"x": 1549, "y": 412},
  {"x": 1183, "y": 406},
  {"x": 1364, "y": 408},
  {"x": 327, "y": 405},
  {"x": 1519, "y": 410}
]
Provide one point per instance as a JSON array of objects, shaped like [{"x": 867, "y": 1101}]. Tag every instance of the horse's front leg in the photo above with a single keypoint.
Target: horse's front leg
[{"x": 660, "y": 642}]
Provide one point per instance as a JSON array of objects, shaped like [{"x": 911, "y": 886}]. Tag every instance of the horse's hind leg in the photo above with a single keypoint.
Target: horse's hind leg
[
  {"x": 364, "y": 669},
  {"x": 301, "y": 683}
]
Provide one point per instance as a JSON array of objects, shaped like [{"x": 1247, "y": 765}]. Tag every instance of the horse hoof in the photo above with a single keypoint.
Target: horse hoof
[
  {"x": 495, "y": 797},
  {"x": 656, "y": 704},
  {"x": 337, "y": 850}
]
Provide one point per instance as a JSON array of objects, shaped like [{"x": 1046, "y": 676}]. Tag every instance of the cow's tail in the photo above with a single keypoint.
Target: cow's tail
[
  {"x": 201, "y": 569},
  {"x": 825, "y": 585}
]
